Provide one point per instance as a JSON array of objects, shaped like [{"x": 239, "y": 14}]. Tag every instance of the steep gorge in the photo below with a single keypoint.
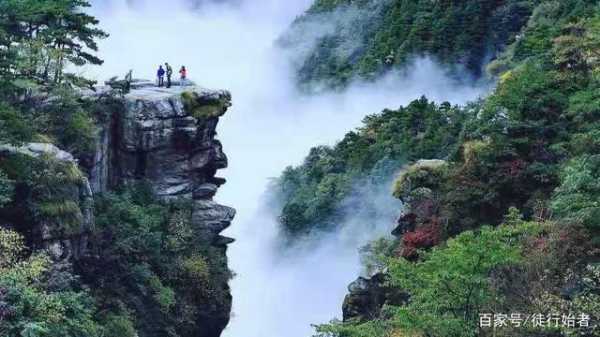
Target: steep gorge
[{"x": 134, "y": 223}]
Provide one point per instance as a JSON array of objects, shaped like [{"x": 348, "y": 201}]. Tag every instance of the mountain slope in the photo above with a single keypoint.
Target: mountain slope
[
  {"x": 507, "y": 221},
  {"x": 364, "y": 39}
]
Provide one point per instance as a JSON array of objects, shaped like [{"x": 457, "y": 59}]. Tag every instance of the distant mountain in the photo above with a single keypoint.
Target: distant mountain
[{"x": 336, "y": 41}]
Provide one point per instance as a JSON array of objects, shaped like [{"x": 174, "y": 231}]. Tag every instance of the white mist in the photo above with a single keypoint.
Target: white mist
[{"x": 269, "y": 127}]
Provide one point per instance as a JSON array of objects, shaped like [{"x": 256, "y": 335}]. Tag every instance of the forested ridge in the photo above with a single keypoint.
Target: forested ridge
[
  {"x": 362, "y": 40},
  {"x": 500, "y": 196}
]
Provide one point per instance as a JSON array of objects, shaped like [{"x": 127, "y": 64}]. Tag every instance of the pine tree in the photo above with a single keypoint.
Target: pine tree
[{"x": 39, "y": 37}]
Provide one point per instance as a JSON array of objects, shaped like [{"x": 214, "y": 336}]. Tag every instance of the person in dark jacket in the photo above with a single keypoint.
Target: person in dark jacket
[
  {"x": 169, "y": 74},
  {"x": 161, "y": 76}
]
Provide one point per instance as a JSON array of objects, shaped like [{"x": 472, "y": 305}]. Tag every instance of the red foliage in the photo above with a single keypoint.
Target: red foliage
[{"x": 424, "y": 237}]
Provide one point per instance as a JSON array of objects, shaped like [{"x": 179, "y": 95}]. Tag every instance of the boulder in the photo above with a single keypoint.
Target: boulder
[{"x": 367, "y": 296}]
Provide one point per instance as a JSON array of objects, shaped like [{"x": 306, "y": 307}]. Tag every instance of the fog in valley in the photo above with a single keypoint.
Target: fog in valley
[{"x": 230, "y": 45}]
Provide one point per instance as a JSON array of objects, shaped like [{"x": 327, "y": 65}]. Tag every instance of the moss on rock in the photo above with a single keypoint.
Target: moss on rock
[{"x": 201, "y": 107}]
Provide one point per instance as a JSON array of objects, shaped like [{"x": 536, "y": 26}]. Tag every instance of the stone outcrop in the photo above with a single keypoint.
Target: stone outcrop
[
  {"x": 421, "y": 223},
  {"x": 418, "y": 227},
  {"x": 166, "y": 138},
  {"x": 162, "y": 137},
  {"x": 68, "y": 216},
  {"x": 367, "y": 296}
]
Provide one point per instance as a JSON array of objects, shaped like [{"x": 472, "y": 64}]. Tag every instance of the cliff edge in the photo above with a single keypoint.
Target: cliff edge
[
  {"x": 166, "y": 138},
  {"x": 168, "y": 264}
]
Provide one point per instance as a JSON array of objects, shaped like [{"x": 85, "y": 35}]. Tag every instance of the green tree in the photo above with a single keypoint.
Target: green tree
[
  {"x": 165, "y": 275},
  {"x": 39, "y": 37},
  {"x": 448, "y": 287},
  {"x": 388, "y": 33},
  {"x": 578, "y": 197},
  {"x": 30, "y": 308},
  {"x": 313, "y": 192}
]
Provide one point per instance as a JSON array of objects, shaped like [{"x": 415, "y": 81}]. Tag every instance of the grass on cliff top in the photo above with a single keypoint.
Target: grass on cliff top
[{"x": 202, "y": 108}]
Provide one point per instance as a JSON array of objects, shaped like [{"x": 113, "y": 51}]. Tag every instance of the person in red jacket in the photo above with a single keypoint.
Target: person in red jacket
[{"x": 183, "y": 75}]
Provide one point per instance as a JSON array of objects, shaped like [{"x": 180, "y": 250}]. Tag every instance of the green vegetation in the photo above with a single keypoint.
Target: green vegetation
[
  {"x": 6, "y": 189},
  {"x": 42, "y": 189},
  {"x": 576, "y": 199},
  {"x": 203, "y": 108},
  {"x": 312, "y": 191},
  {"x": 147, "y": 271},
  {"x": 162, "y": 272},
  {"x": 501, "y": 216},
  {"x": 367, "y": 38},
  {"x": 447, "y": 289},
  {"x": 38, "y": 301},
  {"x": 38, "y": 39},
  {"x": 508, "y": 220},
  {"x": 509, "y": 149},
  {"x": 490, "y": 270}
]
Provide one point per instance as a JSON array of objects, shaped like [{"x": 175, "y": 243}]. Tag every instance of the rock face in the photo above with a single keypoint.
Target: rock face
[
  {"x": 166, "y": 138},
  {"x": 163, "y": 137},
  {"x": 64, "y": 234},
  {"x": 367, "y": 296},
  {"x": 420, "y": 225}
]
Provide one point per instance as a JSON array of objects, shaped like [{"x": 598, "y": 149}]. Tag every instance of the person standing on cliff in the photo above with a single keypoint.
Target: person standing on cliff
[
  {"x": 169, "y": 74},
  {"x": 161, "y": 76},
  {"x": 183, "y": 75}
]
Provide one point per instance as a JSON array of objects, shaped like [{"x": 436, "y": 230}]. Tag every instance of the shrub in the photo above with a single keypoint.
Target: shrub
[
  {"x": 14, "y": 127},
  {"x": 448, "y": 286},
  {"x": 576, "y": 199},
  {"x": 196, "y": 268},
  {"x": 118, "y": 326},
  {"x": 11, "y": 248},
  {"x": 200, "y": 108},
  {"x": 7, "y": 187},
  {"x": 164, "y": 273},
  {"x": 425, "y": 237},
  {"x": 29, "y": 306}
]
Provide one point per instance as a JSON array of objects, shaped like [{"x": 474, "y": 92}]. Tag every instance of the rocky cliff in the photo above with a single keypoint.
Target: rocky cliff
[
  {"x": 163, "y": 138},
  {"x": 367, "y": 296},
  {"x": 166, "y": 137}
]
